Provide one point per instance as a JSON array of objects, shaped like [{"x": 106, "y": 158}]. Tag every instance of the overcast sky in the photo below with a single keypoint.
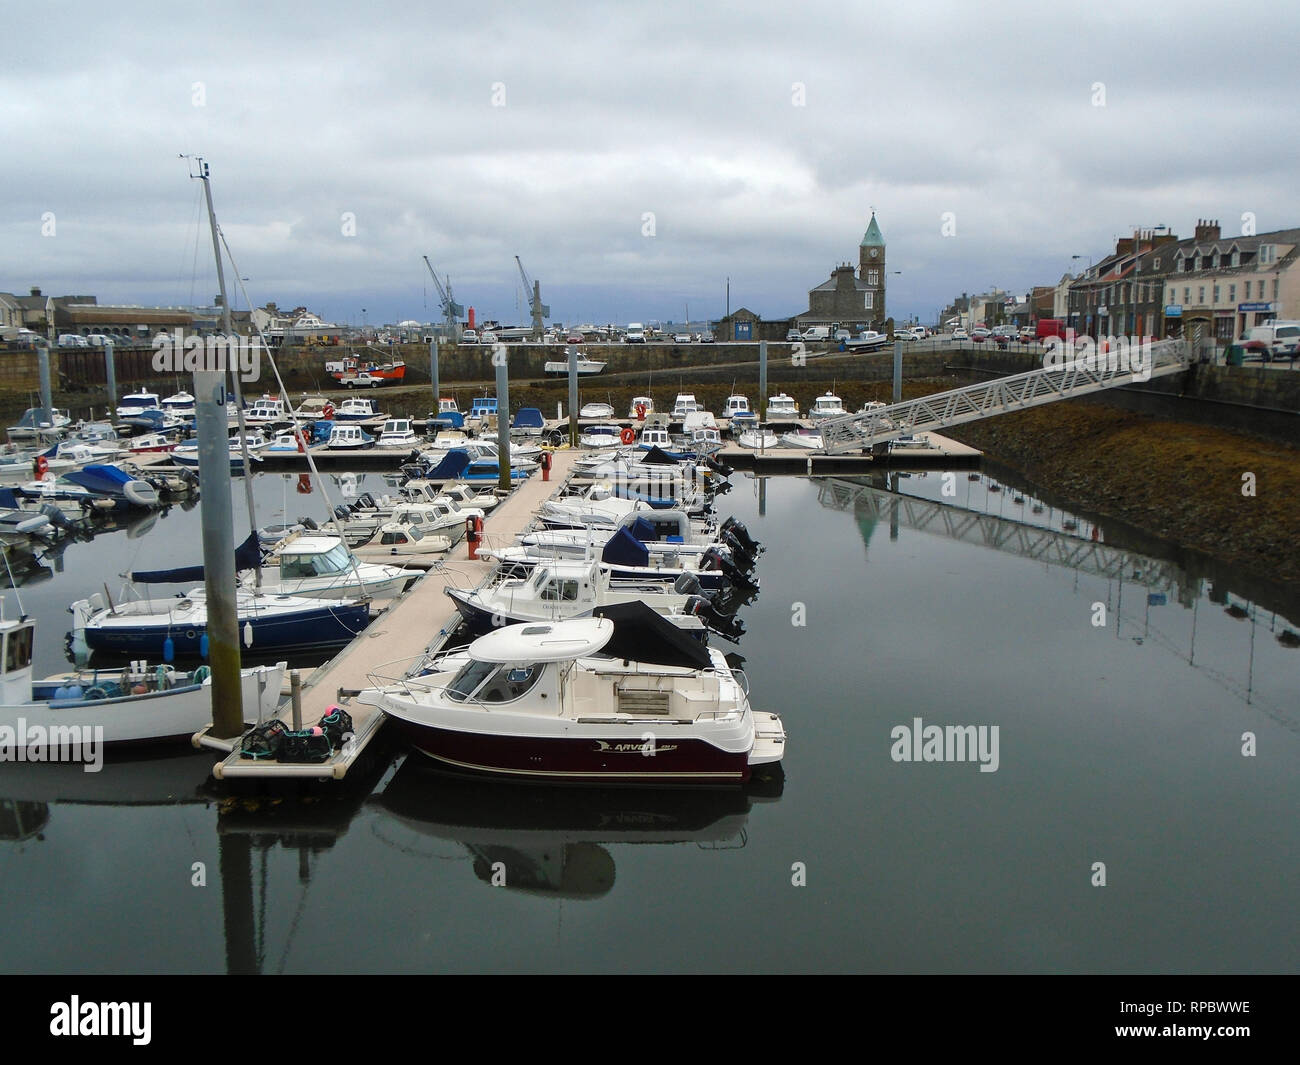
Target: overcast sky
[{"x": 758, "y": 136}]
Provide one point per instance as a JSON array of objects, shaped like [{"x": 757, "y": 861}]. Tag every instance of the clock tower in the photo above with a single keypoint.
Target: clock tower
[{"x": 871, "y": 269}]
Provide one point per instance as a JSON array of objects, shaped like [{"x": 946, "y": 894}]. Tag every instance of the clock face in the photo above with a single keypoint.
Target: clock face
[{"x": 874, "y": 252}]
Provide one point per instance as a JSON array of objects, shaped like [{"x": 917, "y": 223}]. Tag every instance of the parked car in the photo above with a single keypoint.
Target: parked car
[
  {"x": 681, "y": 338},
  {"x": 960, "y": 334},
  {"x": 362, "y": 380},
  {"x": 706, "y": 338},
  {"x": 487, "y": 337},
  {"x": 793, "y": 335},
  {"x": 842, "y": 334},
  {"x": 904, "y": 334},
  {"x": 1027, "y": 333},
  {"x": 470, "y": 336},
  {"x": 817, "y": 332},
  {"x": 573, "y": 338}
]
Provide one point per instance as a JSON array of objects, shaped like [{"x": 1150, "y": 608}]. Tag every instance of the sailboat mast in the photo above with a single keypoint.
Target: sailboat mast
[{"x": 232, "y": 371}]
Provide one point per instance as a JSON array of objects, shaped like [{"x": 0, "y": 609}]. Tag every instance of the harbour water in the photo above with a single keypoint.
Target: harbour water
[{"x": 1122, "y": 828}]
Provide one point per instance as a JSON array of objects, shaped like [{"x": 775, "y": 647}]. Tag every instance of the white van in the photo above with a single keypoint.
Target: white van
[
  {"x": 1281, "y": 337},
  {"x": 73, "y": 340},
  {"x": 817, "y": 332},
  {"x": 635, "y": 333}
]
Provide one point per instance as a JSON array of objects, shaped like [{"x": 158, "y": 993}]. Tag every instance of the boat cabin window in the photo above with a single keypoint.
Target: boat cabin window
[
  {"x": 560, "y": 591},
  {"x": 18, "y": 649},
  {"x": 509, "y": 683},
  {"x": 468, "y": 680},
  {"x": 394, "y": 538},
  {"x": 328, "y": 564}
]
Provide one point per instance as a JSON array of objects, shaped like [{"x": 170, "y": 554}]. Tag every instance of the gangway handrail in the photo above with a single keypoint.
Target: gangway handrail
[{"x": 1101, "y": 370}]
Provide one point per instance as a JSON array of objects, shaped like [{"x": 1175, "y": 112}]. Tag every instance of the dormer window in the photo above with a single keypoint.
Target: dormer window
[
  {"x": 1236, "y": 257},
  {"x": 1267, "y": 254},
  {"x": 1156, "y": 266}
]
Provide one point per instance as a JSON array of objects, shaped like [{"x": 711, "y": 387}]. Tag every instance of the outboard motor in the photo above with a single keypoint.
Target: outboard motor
[
  {"x": 368, "y": 502},
  {"x": 56, "y": 515},
  {"x": 732, "y": 628},
  {"x": 739, "y": 555},
  {"x": 688, "y": 584},
  {"x": 719, "y": 467},
  {"x": 309, "y": 524},
  {"x": 721, "y": 489},
  {"x": 738, "y": 530},
  {"x": 715, "y": 559},
  {"x": 342, "y": 512}
]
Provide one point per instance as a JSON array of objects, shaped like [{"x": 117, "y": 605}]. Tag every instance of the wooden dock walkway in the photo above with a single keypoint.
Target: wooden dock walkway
[{"x": 402, "y": 633}]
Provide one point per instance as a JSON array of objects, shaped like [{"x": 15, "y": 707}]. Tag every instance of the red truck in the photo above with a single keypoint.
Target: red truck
[{"x": 1049, "y": 327}]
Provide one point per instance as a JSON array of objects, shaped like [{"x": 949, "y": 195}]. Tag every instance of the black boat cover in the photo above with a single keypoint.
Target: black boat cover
[
  {"x": 658, "y": 456},
  {"x": 641, "y": 635}
]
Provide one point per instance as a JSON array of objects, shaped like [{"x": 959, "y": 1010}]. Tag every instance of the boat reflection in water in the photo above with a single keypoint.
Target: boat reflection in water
[{"x": 552, "y": 840}]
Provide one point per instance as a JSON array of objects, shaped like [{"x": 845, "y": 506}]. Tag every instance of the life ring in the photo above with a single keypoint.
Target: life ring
[
  {"x": 640, "y": 412},
  {"x": 328, "y": 410},
  {"x": 628, "y": 436},
  {"x": 41, "y": 465}
]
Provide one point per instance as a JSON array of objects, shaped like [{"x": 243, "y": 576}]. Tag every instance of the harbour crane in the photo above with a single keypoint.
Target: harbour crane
[
  {"x": 535, "y": 304},
  {"x": 451, "y": 310}
]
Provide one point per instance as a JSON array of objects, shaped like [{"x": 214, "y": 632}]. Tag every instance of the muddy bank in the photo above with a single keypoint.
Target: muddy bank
[{"x": 1177, "y": 481}]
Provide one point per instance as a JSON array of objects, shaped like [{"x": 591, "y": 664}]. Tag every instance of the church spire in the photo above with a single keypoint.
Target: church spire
[{"x": 873, "y": 237}]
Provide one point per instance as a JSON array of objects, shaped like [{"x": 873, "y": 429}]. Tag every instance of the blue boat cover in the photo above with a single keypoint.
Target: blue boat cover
[
  {"x": 528, "y": 418},
  {"x": 247, "y": 555},
  {"x": 102, "y": 480},
  {"x": 8, "y": 501},
  {"x": 450, "y": 419},
  {"x": 642, "y": 530},
  {"x": 624, "y": 549}
]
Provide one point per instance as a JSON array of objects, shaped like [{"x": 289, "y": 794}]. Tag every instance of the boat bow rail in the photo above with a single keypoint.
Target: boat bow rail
[{"x": 856, "y": 432}]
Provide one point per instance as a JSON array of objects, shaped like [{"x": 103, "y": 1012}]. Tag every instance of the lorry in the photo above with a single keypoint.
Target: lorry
[{"x": 1049, "y": 327}]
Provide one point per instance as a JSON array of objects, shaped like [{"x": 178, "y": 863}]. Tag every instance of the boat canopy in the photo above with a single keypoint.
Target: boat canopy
[
  {"x": 624, "y": 549},
  {"x": 528, "y": 418},
  {"x": 247, "y": 556},
  {"x": 642, "y": 635}
]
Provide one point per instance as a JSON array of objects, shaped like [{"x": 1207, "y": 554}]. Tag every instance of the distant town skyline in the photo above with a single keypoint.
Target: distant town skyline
[{"x": 634, "y": 160}]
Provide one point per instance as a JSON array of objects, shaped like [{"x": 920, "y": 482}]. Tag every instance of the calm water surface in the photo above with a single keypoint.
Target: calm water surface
[{"x": 1119, "y": 743}]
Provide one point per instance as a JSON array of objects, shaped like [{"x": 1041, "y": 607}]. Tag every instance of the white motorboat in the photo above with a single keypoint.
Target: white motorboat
[
  {"x": 151, "y": 443},
  {"x": 72, "y": 715},
  {"x": 136, "y": 403},
  {"x": 563, "y": 589},
  {"x": 404, "y": 540},
  {"x": 38, "y": 424},
  {"x": 464, "y": 495},
  {"x": 596, "y": 410},
  {"x": 757, "y": 438},
  {"x": 607, "y": 434},
  {"x": 180, "y": 404},
  {"x": 585, "y": 365},
  {"x": 739, "y": 412},
  {"x": 782, "y": 407},
  {"x": 802, "y": 438},
  {"x": 828, "y": 405},
  {"x": 641, "y": 407},
  {"x": 587, "y": 700},
  {"x": 349, "y": 438},
  {"x": 269, "y": 410},
  {"x": 187, "y": 452},
  {"x": 398, "y": 433},
  {"x": 684, "y": 405},
  {"x": 358, "y": 409},
  {"x": 321, "y": 567}
]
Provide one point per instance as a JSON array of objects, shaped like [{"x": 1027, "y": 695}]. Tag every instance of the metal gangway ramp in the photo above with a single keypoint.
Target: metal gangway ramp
[{"x": 1110, "y": 369}]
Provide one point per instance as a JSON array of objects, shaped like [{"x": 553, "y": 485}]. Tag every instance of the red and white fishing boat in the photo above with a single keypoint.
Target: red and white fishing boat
[{"x": 587, "y": 700}]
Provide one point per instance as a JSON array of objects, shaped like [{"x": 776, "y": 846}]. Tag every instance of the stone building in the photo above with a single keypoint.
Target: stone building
[{"x": 849, "y": 300}]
